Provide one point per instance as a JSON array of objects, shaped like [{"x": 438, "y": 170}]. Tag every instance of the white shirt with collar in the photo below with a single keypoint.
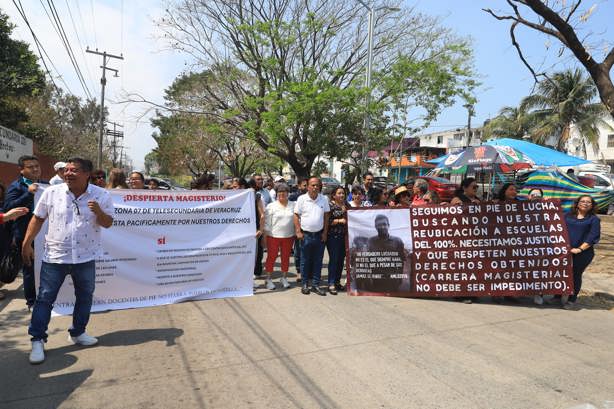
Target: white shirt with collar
[
  {"x": 311, "y": 212},
  {"x": 73, "y": 235}
]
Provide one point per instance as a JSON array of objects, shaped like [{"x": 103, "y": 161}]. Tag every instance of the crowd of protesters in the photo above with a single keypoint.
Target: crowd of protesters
[{"x": 301, "y": 221}]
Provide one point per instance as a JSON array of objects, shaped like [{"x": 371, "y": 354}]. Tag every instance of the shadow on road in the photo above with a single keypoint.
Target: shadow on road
[
  {"x": 140, "y": 336},
  {"x": 28, "y": 386}
]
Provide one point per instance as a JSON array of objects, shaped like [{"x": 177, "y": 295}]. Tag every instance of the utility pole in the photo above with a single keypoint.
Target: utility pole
[
  {"x": 103, "y": 81},
  {"x": 115, "y": 134},
  {"x": 470, "y": 113}
]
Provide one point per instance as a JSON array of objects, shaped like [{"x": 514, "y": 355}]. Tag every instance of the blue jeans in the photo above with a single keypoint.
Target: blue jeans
[
  {"x": 336, "y": 256},
  {"x": 52, "y": 276},
  {"x": 312, "y": 251}
]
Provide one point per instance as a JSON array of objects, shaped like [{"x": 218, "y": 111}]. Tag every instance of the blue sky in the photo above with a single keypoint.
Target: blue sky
[
  {"x": 505, "y": 79},
  {"x": 127, "y": 27}
]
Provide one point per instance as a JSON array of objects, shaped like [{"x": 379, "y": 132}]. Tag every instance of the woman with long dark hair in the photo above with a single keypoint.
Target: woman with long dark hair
[
  {"x": 584, "y": 228},
  {"x": 466, "y": 193},
  {"x": 380, "y": 197},
  {"x": 335, "y": 241},
  {"x": 508, "y": 192}
]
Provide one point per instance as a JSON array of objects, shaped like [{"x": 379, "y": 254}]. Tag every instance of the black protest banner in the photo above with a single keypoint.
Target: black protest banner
[{"x": 498, "y": 249}]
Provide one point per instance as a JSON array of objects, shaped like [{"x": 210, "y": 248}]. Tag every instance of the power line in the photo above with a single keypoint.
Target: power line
[
  {"x": 93, "y": 22},
  {"x": 41, "y": 49},
  {"x": 74, "y": 26},
  {"x": 57, "y": 22}
]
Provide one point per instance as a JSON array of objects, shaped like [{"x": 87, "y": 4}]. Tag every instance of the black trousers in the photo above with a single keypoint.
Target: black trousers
[
  {"x": 259, "y": 255},
  {"x": 579, "y": 263}
]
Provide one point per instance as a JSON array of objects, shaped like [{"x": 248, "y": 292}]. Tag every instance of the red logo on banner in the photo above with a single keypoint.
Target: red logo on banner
[
  {"x": 162, "y": 240},
  {"x": 480, "y": 152}
]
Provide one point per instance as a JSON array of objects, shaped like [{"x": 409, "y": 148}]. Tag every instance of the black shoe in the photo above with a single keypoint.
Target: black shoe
[
  {"x": 305, "y": 289},
  {"x": 339, "y": 287},
  {"x": 318, "y": 290}
]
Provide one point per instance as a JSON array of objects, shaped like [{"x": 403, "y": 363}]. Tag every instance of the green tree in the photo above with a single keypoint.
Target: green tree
[
  {"x": 63, "y": 125},
  {"x": 20, "y": 76},
  {"x": 567, "y": 99},
  {"x": 191, "y": 139},
  {"x": 294, "y": 69}
]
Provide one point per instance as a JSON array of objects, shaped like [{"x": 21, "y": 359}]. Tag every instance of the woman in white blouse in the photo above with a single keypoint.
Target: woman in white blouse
[{"x": 279, "y": 231}]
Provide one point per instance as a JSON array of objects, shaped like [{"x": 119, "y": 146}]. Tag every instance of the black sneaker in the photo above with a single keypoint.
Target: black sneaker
[
  {"x": 305, "y": 289},
  {"x": 318, "y": 290}
]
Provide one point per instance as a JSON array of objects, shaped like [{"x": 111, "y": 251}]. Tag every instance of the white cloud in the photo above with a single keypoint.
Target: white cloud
[{"x": 145, "y": 69}]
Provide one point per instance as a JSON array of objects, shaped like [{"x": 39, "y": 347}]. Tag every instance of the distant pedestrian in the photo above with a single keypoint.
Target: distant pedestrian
[
  {"x": 335, "y": 241},
  {"x": 99, "y": 178},
  {"x": 301, "y": 189},
  {"x": 259, "y": 187},
  {"x": 20, "y": 193},
  {"x": 153, "y": 184},
  {"x": 260, "y": 220},
  {"x": 59, "y": 173},
  {"x": 137, "y": 180},
  {"x": 584, "y": 229},
  {"x": 117, "y": 179},
  {"x": 310, "y": 221},
  {"x": 75, "y": 210},
  {"x": 420, "y": 188},
  {"x": 466, "y": 193},
  {"x": 279, "y": 230}
]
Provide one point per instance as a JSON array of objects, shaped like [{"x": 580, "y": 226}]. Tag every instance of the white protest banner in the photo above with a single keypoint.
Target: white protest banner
[{"x": 170, "y": 246}]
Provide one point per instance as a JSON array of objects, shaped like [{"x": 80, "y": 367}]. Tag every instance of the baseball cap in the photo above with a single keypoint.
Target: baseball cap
[
  {"x": 278, "y": 178},
  {"x": 59, "y": 165}
]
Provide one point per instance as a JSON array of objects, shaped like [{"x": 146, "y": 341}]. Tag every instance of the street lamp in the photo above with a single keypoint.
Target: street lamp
[{"x": 371, "y": 9}]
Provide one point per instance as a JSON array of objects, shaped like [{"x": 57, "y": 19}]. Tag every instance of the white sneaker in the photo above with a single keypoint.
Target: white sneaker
[
  {"x": 538, "y": 299},
  {"x": 37, "y": 355},
  {"x": 256, "y": 285},
  {"x": 83, "y": 339},
  {"x": 270, "y": 285},
  {"x": 284, "y": 282}
]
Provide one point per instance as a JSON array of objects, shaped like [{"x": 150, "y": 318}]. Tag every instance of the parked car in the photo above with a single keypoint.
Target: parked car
[
  {"x": 442, "y": 186},
  {"x": 328, "y": 183},
  {"x": 599, "y": 180}
]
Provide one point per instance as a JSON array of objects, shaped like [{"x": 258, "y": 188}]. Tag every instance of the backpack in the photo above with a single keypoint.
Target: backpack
[{"x": 10, "y": 264}]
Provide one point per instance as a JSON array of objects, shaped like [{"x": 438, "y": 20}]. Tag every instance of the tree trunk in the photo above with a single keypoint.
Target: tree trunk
[
  {"x": 301, "y": 169},
  {"x": 605, "y": 87}
]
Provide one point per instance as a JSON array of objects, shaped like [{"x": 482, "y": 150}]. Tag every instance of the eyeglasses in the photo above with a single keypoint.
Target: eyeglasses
[
  {"x": 98, "y": 177},
  {"x": 74, "y": 201},
  {"x": 586, "y": 201}
]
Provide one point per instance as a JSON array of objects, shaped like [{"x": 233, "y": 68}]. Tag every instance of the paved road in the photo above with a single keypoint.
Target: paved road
[{"x": 282, "y": 349}]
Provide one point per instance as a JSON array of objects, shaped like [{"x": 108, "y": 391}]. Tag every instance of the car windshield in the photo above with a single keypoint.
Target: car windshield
[{"x": 330, "y": 180}]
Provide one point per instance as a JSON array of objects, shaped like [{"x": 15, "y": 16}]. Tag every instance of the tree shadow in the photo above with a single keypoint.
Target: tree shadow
[{"x": 29, "y": 386}]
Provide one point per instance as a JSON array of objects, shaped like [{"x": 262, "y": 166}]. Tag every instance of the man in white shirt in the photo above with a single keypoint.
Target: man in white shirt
[
  {"x": 311, "y": 225},
  {"x": 59, "y": 173},
  {"x": 76, "y": 211}
]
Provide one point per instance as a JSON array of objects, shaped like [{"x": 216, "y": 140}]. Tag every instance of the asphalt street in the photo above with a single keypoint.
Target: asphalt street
[{"x": 281, "y": 349}]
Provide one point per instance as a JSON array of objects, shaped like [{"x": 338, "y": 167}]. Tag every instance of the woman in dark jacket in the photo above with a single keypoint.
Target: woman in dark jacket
[{"x": 584, "y": 228}]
